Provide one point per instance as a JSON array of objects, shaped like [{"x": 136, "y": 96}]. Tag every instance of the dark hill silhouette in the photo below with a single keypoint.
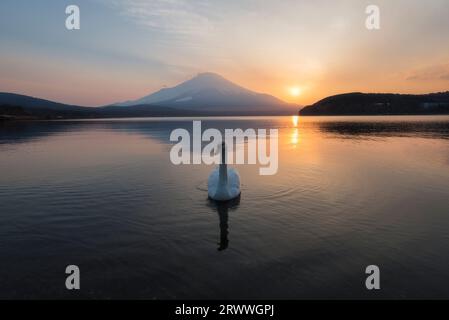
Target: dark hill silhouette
[
  {"x": 380, "y": 104},
  {"x": 17, "y": 106}
]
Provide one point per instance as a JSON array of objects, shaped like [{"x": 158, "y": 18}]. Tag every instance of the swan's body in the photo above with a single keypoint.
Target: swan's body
[{"x": 224, "y": 182}]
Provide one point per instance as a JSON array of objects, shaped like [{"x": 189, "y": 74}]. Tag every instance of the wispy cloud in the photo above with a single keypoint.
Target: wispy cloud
[{"x": 171, "y": 16}]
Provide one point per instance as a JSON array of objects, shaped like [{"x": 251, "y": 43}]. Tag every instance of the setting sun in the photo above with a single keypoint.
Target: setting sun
[{"x": 295, "y": 91}]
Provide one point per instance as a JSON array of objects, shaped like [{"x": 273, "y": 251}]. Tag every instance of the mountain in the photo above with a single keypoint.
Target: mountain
[
  {"x": 380, "y": 104},
  {"x": 211, "y": 93},
  {"x": 25, "y": 107},
  {"x": 16, "y": 106},
  {"x": 207, "y": 94},
  {"x": 28, "y": 102}
]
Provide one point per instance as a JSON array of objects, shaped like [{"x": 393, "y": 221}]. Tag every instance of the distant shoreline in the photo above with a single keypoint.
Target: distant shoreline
[
  {"x": 371, "y": 104},
  {"x": 15, "y": 107},
  {"x": 376, "y": 115},
  {"x": 25, "y": 119},
  {"x": 9, "y": 118}
]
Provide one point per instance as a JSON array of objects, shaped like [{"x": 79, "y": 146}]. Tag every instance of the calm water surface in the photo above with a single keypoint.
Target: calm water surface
[{"x": 102, "y": 194}]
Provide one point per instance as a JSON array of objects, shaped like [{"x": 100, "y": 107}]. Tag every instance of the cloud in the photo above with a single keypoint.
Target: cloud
[{"x": 180, "y": 17}]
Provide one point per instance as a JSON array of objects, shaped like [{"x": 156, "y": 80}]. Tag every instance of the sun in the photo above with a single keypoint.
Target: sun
[{"x": 295, "y": 91}]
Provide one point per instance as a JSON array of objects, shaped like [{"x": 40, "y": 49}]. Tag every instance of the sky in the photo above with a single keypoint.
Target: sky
[{"x": 299, "y": 51}]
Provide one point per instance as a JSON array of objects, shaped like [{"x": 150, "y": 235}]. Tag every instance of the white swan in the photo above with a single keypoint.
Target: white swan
[{"x": 224, "y": 182}]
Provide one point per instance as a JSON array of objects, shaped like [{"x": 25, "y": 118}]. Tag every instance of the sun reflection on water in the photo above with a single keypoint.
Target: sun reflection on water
[
  {"x": 294, "y": 138},
  {"x": 295, "y": 120}
]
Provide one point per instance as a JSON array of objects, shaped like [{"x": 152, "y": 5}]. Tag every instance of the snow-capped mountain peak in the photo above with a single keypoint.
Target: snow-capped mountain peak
[{"x": 208, "y": 91}]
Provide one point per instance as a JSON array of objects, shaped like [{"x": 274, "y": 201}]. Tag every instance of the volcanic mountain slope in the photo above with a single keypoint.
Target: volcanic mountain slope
[{"x": 211, "y": 92}]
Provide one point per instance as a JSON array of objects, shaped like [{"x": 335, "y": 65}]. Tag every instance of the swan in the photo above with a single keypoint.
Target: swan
[{"x": 223, "y": 183}]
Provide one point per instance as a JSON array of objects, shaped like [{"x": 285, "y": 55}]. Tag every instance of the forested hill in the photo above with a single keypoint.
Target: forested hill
[{"x": 380, "y": 104}]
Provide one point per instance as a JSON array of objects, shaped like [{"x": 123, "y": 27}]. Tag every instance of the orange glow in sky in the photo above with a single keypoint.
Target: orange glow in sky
[{"x": 298, "y": 52}]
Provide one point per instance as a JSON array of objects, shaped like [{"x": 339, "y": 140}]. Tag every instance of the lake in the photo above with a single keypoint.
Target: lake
[{"x": 103, "y": 195}]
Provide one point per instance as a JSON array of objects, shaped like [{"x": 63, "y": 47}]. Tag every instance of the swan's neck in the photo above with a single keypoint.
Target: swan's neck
[
  {"x": 223, "y": 175},
  {"x": 223, "y": 172}
]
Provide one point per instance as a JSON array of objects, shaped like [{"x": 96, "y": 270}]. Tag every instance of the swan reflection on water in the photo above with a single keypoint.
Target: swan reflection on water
[{"x": 222, "y": 208}]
